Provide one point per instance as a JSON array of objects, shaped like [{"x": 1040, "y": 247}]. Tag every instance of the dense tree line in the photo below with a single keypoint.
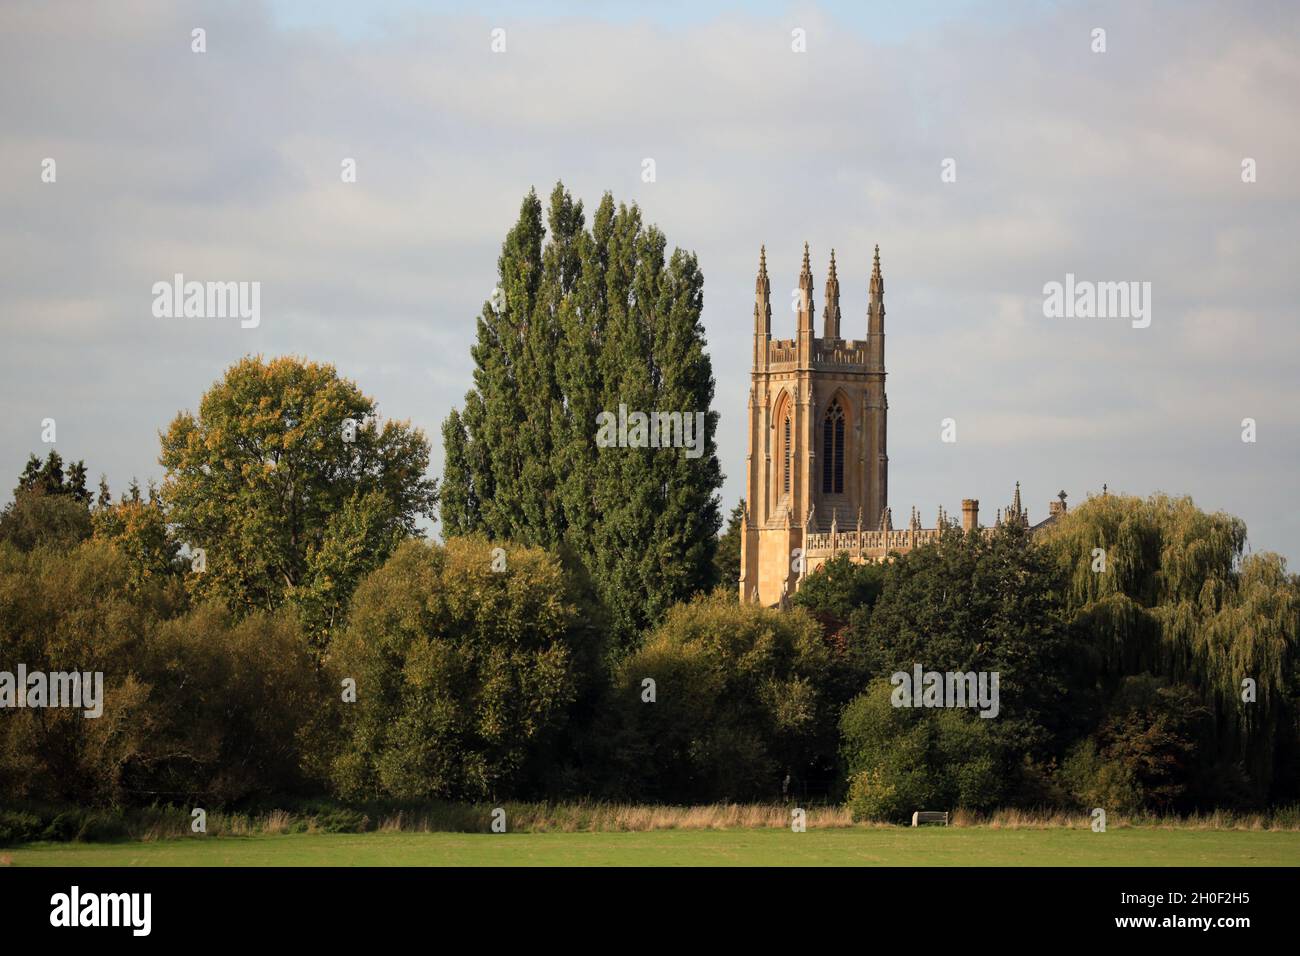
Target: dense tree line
[
  {"x": 1146, "y": 662},
  {"x": 482, "y": 670}
]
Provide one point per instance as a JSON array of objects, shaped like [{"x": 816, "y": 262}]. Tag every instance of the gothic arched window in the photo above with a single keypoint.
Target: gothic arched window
[
  {"x": 786, "y": 456},
  {"x": 833, "y": 450}
]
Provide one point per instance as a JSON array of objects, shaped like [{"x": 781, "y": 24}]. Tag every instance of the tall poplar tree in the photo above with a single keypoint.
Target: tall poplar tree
[{"x": 585, "y": 320}]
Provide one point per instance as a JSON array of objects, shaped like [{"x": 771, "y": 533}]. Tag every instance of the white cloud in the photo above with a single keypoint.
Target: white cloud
[{"x": 1120, "y": 166}]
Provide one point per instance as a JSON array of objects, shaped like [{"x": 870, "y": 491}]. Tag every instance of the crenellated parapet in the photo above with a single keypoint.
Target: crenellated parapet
[
  {"x": 877, "y": 545},
  {"x": 868, "y": 545}
]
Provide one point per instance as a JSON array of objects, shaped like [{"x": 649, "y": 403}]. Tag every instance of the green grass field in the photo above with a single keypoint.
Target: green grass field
[{"x": 929, "y": 846}]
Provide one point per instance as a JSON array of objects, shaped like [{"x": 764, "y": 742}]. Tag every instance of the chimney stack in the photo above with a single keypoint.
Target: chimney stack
[{"x": 970, "y": 514}]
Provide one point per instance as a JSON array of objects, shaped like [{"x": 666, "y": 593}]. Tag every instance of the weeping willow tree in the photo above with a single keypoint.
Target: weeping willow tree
[{"x": 1160, "y": 587}]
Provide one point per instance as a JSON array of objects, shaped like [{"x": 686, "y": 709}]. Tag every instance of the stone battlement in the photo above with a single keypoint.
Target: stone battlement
[{"x": 871, "y": 545}]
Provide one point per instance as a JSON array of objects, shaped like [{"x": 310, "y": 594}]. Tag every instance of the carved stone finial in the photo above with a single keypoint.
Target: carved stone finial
[
  {"x": 831, "y": 313},
  {"x": 762, "y": 296}
]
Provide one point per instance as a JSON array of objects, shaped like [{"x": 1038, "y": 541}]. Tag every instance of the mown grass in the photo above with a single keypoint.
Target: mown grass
[{"x": 826, "y": 846}]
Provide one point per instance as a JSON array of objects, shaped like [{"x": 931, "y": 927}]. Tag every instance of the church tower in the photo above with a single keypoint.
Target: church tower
[{"x": 817, "y": 462}]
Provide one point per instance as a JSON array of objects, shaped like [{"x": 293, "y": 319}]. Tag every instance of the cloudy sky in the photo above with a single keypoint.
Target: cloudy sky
[{"x": 1117, "y": 166}]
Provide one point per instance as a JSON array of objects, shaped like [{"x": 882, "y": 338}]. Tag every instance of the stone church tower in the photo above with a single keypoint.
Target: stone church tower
[{"x": 817, "y": 465}]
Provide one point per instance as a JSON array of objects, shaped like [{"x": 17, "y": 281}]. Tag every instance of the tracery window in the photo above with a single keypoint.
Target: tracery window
[
  {"x": 833, "y": 450},
  {"x": 786, "y": 456}
]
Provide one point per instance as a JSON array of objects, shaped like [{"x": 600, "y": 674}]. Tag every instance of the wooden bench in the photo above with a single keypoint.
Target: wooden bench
[{"x": 929, "y": 816}]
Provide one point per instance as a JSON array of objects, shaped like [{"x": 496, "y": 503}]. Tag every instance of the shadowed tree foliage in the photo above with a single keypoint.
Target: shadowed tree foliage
[
  {"x": 726, "y": 561},
  {"x": 1179, "y": 599},
  {"x": 194, "y": 704},
  {"x": 583, "y": 321},
  {"x": 458, "y": 502},
  {"x": 74, "y": 611},
  {"x": 49, "y": 508},
  {"x": 1144, "y": 754},
  {"x": 900, "y": 759},
  {"x": 34, "y": 519},
  {"x": 48, "y": 478},
  {"x": 979, "y": 602},
  {"x": 465, "y": 675},
  {"x": 358, "y": 539},
  {"x": 839, "y": 589},
  {"x": 739, "y": 712}
]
